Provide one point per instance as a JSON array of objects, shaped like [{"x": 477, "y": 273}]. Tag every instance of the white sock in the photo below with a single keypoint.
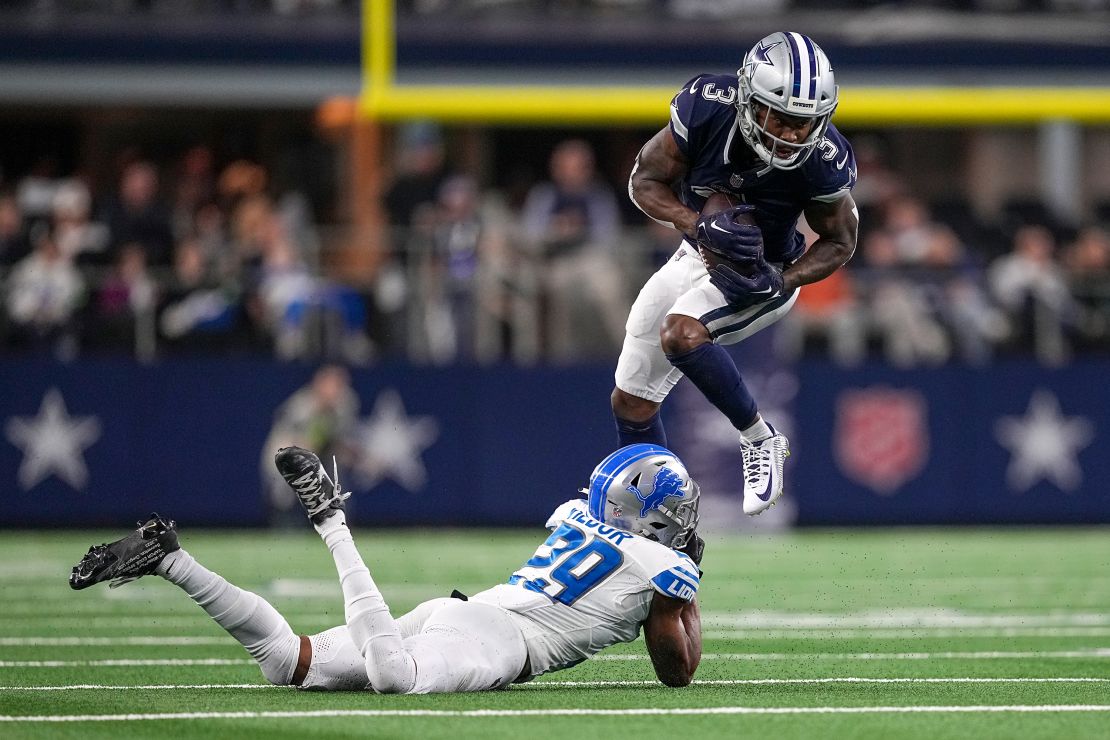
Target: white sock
[
  {"x": 246, "y": 616},
  {"x": 373, "y": 630},
  {"x": 758, "y": 431}
]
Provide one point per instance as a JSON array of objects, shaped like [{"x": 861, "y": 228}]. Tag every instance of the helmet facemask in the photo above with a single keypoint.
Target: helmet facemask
[
  {"x": 782, "y": 155},
  {"x": 787, "y": 73}
]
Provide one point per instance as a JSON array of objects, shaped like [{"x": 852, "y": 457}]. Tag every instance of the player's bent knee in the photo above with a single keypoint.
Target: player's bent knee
[
  {"x": 391, "y": 673},
  {"x": 680, "y": 334},
  {"x": 278, "y": 660},
  {"x": 276, "y": 654},
  {"x": 275, "y": 673},
  {"x": 632, "y": 408}
]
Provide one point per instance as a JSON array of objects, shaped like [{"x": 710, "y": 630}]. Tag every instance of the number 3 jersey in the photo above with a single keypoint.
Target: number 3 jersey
[
  {"x": 587, "y": 587},
  {"x": 704, "y": 126}
]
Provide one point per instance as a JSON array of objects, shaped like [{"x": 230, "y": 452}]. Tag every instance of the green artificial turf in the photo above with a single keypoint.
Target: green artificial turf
[{"x": 786, "y": 619}]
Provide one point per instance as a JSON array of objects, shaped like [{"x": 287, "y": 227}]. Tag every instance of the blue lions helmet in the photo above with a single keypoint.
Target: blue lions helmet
[
  {"x": 788, "y": 73},
  {"x": 645, "y": 489}
]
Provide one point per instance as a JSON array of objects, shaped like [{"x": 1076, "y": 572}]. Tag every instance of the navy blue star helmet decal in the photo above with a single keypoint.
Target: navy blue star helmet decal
[
  {"x": 667, "y": 483},
  {"x": 759, "y": 53}
]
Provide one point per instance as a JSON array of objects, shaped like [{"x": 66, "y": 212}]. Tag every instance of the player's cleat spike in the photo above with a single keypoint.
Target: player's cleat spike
[
  {"x": 128, "y": 559},
  {"x": 318, "y": 492},
  {"x": 763, "y": 462}
]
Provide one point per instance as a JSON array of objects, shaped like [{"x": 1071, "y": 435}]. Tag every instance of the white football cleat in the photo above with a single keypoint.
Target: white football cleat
[{"x": 763, "y": 461}]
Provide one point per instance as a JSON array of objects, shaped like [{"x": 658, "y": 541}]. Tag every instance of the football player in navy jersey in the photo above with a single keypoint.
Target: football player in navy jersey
[{"x": 764, "y": 137}]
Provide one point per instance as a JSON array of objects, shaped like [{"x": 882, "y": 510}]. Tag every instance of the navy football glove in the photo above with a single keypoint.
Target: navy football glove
[
  {"x": 735, "y": 241},
  {"x": 742, "y": 291}
]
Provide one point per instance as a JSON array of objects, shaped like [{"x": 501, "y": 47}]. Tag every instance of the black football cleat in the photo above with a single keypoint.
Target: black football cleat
[
  {"x": 319, "y": 493},
  {"x": 126, "y": 560}
]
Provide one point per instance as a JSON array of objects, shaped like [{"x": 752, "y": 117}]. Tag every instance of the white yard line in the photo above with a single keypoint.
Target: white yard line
[
  {"x": 148, "y": 687},
  {"x": 902, "y": 633},
  {"x": 151, "y": 640},
  {"x": 808, "y": 681},
  {"x": 146, "y": 622},
  {"x": 909, "y": 632},
  {"x": 483, "y": 713},
  {"x": 602, "y": 684},
  {"x": 901, "y": 619},
  {"x": 123, "y": 662},
  {"x": 974, "y": 655},
  {"x": 1081, "y": 653}
]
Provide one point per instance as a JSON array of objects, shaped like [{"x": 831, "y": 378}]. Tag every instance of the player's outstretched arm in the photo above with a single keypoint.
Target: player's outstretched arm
[
  {"x": 673, "y": 635},
  {"x": 836, "y": 224},
  {"x": 658, "y": 165}
]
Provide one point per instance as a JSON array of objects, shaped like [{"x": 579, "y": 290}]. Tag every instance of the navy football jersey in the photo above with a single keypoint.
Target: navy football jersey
[{"x": 704, "y": 125}]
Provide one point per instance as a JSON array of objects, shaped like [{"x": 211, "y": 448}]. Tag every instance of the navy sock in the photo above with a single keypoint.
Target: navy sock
[
  {"x": 711, "y": 369},
  {"x": 641, "y": 432}
]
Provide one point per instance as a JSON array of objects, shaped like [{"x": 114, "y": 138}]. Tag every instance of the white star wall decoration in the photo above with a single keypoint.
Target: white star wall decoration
[
  {"x": 1044, "y": 444},
  {"x": 53, "y": 443},
  {"x": 391, "y": 444}
]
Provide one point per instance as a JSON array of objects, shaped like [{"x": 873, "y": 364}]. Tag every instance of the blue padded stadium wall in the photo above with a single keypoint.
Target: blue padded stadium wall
[{"x": 106, "y": 442}]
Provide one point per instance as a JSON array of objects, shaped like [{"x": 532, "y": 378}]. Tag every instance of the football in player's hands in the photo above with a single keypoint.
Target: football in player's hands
[{"x": 727, "y": 233}]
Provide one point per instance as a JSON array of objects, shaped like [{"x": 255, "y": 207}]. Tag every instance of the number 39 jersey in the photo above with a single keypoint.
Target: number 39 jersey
[{"x": 587, "y": 587}]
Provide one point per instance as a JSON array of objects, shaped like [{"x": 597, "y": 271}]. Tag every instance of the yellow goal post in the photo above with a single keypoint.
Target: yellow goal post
[{"x": 383, "y": 99}]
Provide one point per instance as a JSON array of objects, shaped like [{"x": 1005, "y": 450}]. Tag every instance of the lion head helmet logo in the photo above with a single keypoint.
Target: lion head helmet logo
[{"x": 667, "y": 483}]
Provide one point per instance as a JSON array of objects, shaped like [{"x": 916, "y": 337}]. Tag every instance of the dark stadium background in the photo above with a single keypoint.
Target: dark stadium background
[{"x": 470, "y": 409}]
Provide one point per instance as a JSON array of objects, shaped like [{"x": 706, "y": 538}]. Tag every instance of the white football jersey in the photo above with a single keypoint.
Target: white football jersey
[{"x": 587, "y": 587}]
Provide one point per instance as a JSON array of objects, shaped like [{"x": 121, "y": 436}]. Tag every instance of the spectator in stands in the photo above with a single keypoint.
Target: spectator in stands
[
  {"x": 900, "y": 314},
  {"x": 421, "y": 168},
  {"x": 211, "y": 233},
  {"x": 196, "y": 311},
  {"x": 193, "y": 187},
  {"x": 14, "y": 244},
  {"x": 138, "y": 215},
  {"x": 926, "y": 273},
  {"x": 1033, "y": 289},
  {"x": 829, "y": 309},
  {"x": 573, "y": 221},
  {"x": 952, "y": 285},
  {"x": 465, "y": 273},
  {"x": 284, "y": 292},
  {"x": 43, "y": 294},
  {"x": 322, "y": 414},
  {"x": 82, "y": 240},
  {"x": 297, "y": 313},
  {"x": 917, "y": 238},
  {"x": 878, "y": 185},
  {"x": 35, "y": 191},
  {"x": 239, "y": 181},
  {"x": 123, "y": 317},
  {"x": 1087, "y": 262}
]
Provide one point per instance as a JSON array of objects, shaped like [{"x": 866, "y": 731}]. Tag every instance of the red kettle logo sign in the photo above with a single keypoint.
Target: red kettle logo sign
[{"x": 881, "y": 438}]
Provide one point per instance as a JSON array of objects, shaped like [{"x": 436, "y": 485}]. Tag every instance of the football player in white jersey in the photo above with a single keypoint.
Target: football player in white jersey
[{"x": 625, "y": 557}]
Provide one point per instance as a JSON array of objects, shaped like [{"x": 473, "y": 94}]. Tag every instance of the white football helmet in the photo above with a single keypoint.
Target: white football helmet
[
  {"x": 789, "y": 73},
  {"x": 645, "y": 489}
]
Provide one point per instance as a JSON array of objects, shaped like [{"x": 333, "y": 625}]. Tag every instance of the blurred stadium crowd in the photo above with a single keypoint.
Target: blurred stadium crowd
[
  {"x": 194, "y": 255},
  {"x": 679, "y": 8}
]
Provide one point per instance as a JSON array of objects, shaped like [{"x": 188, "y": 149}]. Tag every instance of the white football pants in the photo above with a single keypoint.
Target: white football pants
[
  {"x": 443, "y": 646},
  {"x": 682, "y": 287},
  {"x": 456, "y": 646}
]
